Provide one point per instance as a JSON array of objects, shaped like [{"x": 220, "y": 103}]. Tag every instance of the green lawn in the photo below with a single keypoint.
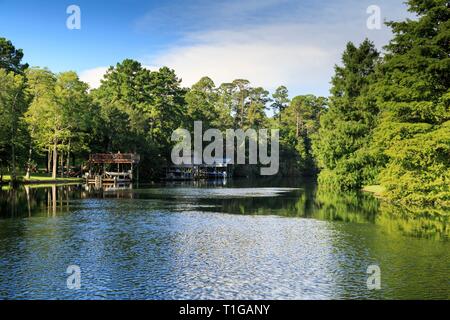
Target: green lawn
[{"x": 38, "y": 177}]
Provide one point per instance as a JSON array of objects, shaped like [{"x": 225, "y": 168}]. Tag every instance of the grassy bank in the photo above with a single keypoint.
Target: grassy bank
[{"x": 40, "y": 178}]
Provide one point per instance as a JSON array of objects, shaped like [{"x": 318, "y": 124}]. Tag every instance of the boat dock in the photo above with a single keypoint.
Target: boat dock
[
  {"x": 220, "y": 169},
  {"x": 112, "y": 168}
]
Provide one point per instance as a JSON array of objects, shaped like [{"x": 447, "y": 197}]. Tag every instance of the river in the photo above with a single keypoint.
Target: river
[{"x": 224, "y": 240}]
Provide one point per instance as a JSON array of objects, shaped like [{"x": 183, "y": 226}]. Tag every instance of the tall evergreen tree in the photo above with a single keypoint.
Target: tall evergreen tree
[
  {"x": 201, "y": 103},
  {"x": 280, "y": 100},
  {"x": 413, "y": 136},
  {"x": 255, "y": 114},
  {"x": 11, "y": 58},
  {"x": 346, "y": 127}
]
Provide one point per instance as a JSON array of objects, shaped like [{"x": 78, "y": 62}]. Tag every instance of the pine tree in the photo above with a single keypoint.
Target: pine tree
[
  {"x": 413, "y": 136},
  {"x": 345, "y": 129}
]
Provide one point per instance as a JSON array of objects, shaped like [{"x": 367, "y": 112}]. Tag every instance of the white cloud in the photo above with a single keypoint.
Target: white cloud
[
  {"x": 269, "y": 42},
  {"x": 267, "y": 56},
  {"x": 297, "y": 47},
  {"x": 93, "y": 76}
]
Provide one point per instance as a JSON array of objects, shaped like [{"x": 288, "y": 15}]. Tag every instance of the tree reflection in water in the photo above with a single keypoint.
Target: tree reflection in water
[{"x": 304, "y": 200}]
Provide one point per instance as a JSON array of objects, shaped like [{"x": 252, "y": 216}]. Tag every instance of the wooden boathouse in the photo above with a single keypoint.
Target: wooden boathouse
[
  {"x": 112, "y": 168},
  {"x": 220, "y": 169}
]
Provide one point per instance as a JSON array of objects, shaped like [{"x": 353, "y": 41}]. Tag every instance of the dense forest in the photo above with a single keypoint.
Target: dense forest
[{"x": 386, "y": 121}]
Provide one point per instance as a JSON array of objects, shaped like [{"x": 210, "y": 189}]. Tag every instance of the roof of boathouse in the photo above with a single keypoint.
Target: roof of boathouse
[{"x": 114, "y": 158}]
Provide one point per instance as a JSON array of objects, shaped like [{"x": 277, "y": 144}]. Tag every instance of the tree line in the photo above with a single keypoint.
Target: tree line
[
  {"x": 386, "y": 121},
  {"x": 54, "y": 120}
]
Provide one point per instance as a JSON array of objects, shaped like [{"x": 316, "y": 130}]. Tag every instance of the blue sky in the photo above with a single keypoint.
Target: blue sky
[{"x": 270, "y": 42}]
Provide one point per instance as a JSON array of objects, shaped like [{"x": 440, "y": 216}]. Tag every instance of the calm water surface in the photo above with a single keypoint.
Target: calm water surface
[{"x": 235, "y": 240}]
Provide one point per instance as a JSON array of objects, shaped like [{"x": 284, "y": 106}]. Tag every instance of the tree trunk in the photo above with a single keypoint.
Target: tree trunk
[
  {"x": 13, "y": 139},
  {"x": 49, "y": 160},
  {"x": 30, "y": 152},
  {"x": 55, "y": 161},
  {"x": 68, "y": 158},
  {"x": 242, "y": 111},
  {"x": 13, "y": 161},
  {"x": 62, "y": 163}
]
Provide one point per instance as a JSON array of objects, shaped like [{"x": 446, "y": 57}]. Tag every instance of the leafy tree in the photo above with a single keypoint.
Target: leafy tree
[
  {"x": 13, "y": 103},
  {"x": 246, "y": 103},
  {"x": 78, "y": 114},
  {"x": 255, "y": 116},
  {"x": 140, "y": 109},
  {"x": 224, "y": 105},
  {"x": 300, "y": 122},
  {"x": 209, "y": 104},
  {"x": 280, "y": 100},
  {"x": 345, "y": 129},
  {"x": 201, "y": 102},
  {"x": 169, "y": 106},
  {"x": 413, "y": 94},
  {"x": 44, "y": 117},
  {"x": 305, "y": 111},
  {"x": 124, "y": 97},
  {"x": 240, "y": 93},
  {"x": 10, "y": 57},
  {"x": 59, "y": 114}
]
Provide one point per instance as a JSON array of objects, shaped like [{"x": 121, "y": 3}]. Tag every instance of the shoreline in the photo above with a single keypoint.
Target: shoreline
[{"x": 34, "y": 181}]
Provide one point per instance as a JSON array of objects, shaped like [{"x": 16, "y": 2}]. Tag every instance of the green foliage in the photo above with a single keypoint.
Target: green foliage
[
  {"x": 13, "y": 103},
  {"x": 255, "y": 116},
  {"x": 345, "y": 128},
  {"x": 139, "y": 110},
  {"x": 388, "y": 121},
  {"x": 236, "y": 104},
  {"x": 246, "y": 103},
  {"x": 418, "y": 171},
  {"x": 11, "y": 58},
  {"x": 202, "y": 102},
  {"x": 280, "y": 100},
  {"x": 208, "y": 104},
  {"x": 413, "y": 93},
  {"x": 300, "y": 121},
  {"x": 60, "y": 114},
  {"x": 78, "y": 111},
  {"x": 43, "y": 116}
]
